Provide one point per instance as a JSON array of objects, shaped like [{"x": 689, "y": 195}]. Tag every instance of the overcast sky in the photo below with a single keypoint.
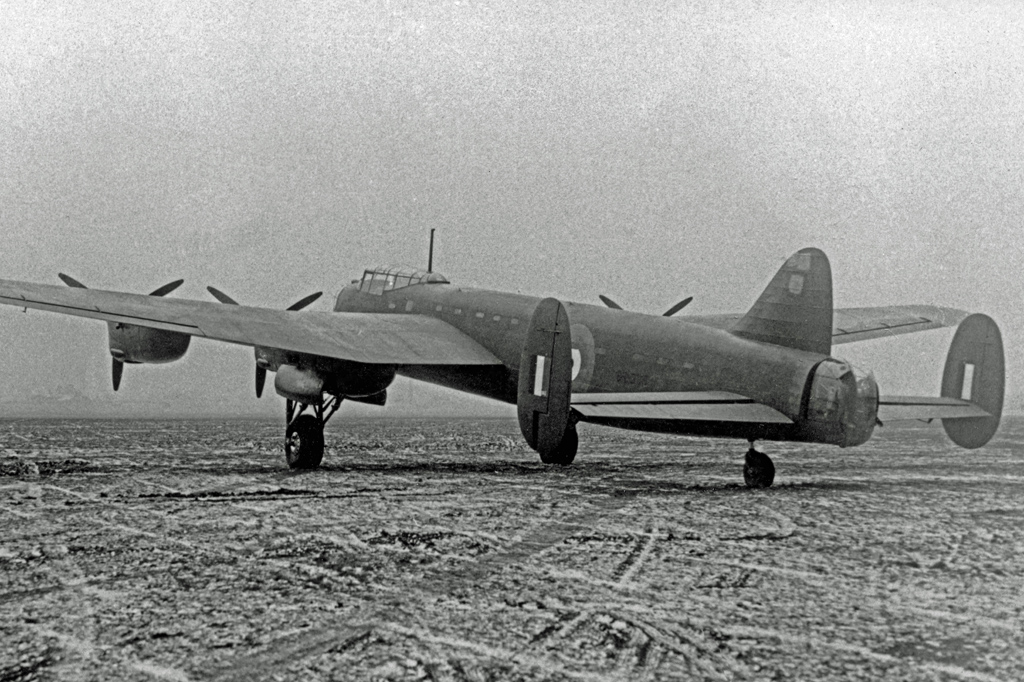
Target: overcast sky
[{"x": 647, "y": 151}]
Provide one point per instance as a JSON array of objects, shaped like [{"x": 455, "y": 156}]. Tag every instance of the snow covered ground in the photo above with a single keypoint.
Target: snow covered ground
[{"x": 443, "y": 550}]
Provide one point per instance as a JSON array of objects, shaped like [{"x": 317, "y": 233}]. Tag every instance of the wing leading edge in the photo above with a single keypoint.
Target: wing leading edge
[{"x": 359, "y": 337}]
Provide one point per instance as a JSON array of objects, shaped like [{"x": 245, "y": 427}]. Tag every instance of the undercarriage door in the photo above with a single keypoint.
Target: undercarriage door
[{"x": 545, "y": 377}]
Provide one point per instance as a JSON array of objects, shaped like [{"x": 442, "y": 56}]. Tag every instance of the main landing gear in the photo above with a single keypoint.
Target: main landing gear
[
  {"x": 758, "y": 469},
  {"x": 304, "y": 437}
]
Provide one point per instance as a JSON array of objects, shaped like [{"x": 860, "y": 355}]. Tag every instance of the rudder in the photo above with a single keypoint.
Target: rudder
[
  {"x": 795, "y": 310},
  {"x": 545, "y": 378},
  {"x": 975, "y": 371}
]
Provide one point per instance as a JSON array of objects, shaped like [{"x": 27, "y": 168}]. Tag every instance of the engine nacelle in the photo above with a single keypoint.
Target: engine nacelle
[
  {"x": 341, "y": 378},
  {"x": 134, "y": 344},
  {"x": 358, "y": 379},
  {"x": 301, "y": 385},
  {"x": 842, "y": 405}
]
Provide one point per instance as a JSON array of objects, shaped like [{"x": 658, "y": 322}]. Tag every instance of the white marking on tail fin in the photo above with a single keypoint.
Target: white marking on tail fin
[
  {"x": 968, "y": 385},
  {"x": 540, "y": 376}
]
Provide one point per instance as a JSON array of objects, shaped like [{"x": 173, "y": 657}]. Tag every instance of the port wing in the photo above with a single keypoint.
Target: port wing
[{"x": 360, "y": 337}]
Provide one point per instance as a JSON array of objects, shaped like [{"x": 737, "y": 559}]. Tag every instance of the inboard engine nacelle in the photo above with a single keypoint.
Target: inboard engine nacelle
[{"x": 341, "y": 378}]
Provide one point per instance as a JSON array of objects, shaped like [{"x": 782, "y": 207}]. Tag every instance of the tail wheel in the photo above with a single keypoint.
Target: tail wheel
[
  {"x": 304, "y": 442},
  {"x": 758, "y": 470},
  {"x": 565, "y": 453}
]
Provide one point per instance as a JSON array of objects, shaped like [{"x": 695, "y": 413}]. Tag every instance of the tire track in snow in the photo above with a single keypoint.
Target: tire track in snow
[{"x": 327, "y": 635}]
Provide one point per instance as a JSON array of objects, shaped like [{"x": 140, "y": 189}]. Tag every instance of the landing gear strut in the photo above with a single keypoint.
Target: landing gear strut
[
  {"x": 304, "y": 437},
  {"x": 758, "y": 469}
]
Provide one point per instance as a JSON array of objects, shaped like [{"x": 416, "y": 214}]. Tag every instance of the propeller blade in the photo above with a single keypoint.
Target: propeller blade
[
  {"x": 71, "y": 281},
  {"x": 299, "y": 305},
  {"x": 167, "y": 288},
  {"x": 677, "y": 307},
  {"x": 116, "y": 370},
  {"x": 221, "y": 296},
  {"x": 609, "y": 302},
  {"x": 261, "y": 378}
]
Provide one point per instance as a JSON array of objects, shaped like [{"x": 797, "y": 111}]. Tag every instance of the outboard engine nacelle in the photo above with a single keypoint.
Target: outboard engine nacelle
[
  {"x": 842, "y": 404},
  {"x": 134, "y": 344}
]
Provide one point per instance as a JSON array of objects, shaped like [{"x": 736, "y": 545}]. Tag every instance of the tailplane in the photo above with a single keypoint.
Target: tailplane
[
  {"x": 975, "y": 371},
  {"x": 971, "y": 403},
  {"x": 795, "y": 309}
]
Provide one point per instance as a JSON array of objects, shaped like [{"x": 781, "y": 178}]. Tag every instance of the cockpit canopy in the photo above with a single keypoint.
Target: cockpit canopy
[{"x": 389, "y": 277}]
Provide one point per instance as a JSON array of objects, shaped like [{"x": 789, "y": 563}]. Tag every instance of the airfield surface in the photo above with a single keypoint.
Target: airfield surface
[{"x": 444, "y": 550}]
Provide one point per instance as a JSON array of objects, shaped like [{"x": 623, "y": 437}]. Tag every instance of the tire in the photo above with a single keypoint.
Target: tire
[
  {"x": 565, "y": 453},
  {"x": 304, "y": 442},
  {"x": 758, "y": 470}
]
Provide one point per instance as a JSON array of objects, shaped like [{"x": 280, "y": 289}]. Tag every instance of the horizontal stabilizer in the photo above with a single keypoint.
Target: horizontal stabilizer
[
  {"x": 909, "y": 407},
  {"x": 698, "y": 406}
]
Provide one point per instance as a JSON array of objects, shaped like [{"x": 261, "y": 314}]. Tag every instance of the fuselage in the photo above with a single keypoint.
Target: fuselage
[{"x": 616, "y": 351}]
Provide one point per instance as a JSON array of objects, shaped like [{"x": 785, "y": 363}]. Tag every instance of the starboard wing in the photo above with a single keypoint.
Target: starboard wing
[
  {"x": 861, "y": 324},
  {"x": 360, "y": 337}
]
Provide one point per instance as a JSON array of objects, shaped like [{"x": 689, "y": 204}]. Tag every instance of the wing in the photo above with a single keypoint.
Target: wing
[
  {"x": 360, "y": 337},
  {"x": 861, "y": 324},
  {"x": 699, "y": 406},
  {"x": 908, "y": 407}
]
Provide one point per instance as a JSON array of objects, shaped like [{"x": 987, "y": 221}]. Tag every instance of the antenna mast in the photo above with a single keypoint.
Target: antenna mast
[{"x": 430, "y": 255}]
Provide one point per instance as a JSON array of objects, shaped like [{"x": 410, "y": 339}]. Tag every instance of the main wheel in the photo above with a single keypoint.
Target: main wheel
[
  {"x": 565, "y": 453},
  {"x": 304, "y": 442},
  {"x": 758, "y": 470}
]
